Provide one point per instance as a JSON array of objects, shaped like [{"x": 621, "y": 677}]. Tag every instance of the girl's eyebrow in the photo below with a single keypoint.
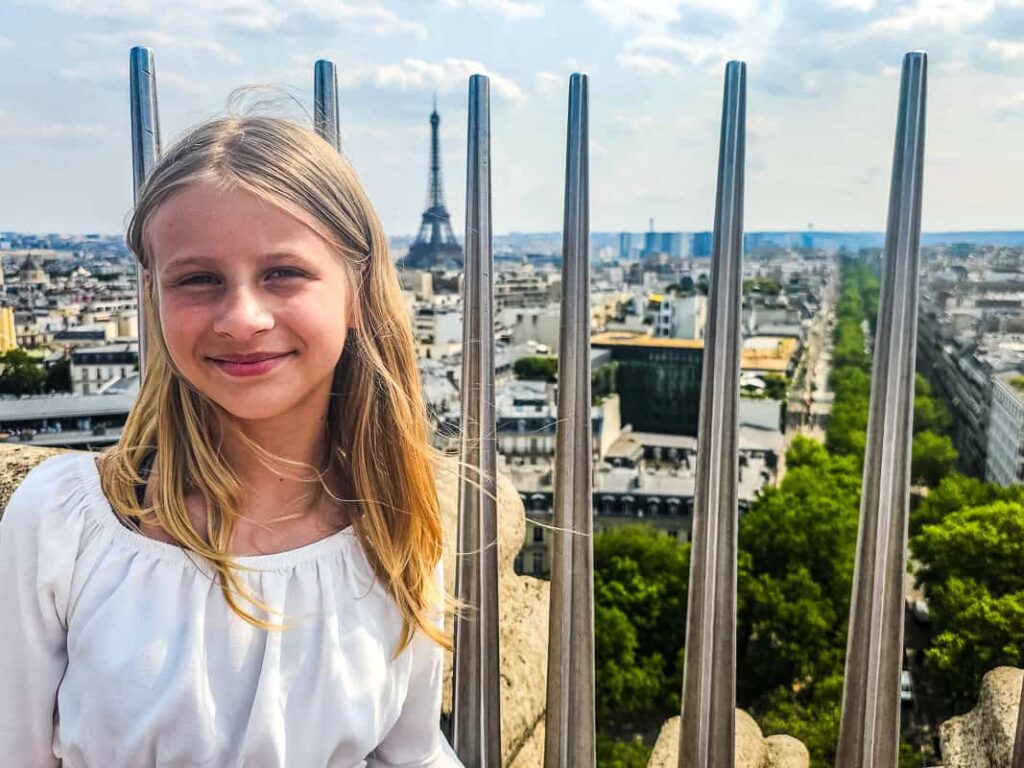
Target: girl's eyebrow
[{"x": 203, "y": 260}]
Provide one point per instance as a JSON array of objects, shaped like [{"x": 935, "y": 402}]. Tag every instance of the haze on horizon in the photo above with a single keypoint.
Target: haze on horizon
[{"x": 823, "y": 81}]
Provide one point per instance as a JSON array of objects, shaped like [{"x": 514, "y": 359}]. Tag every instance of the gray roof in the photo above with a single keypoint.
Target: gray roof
[{"x": 63, "y": 406}]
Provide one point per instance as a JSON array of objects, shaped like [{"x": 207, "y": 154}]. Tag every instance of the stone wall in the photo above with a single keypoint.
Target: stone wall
[
  {"x": 753, "y": 750},
  {"x": 983, "y": 738}
]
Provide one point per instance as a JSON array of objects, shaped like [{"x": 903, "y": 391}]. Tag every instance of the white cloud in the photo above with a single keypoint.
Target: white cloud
[
  {"x": 661, "y": 12},
  {"x": 663, "y": 53},
  {"x": 632, "y": 122},
  {"x": 653, "y": 65},
  {"x": 761, "y": 126},
  {"x": 445, "y": 76},
  {"x": 116, "y": 73},
  {"x": 368, "y": 16},
  {"x": 691, "y": 51},
  {"x": 510, "y": 9},
  {"x": 950, "y": 15},
  {"x": 549, "y": 83},
  {"x": 124, "y": 40},
  {"x": 858, "y": 5},
  {"x": 1011, "y": 109},
  {"x": 1008, "y": 50},
  {"x": 6, "y": 42},
  {"x": 14, "y": 126}
]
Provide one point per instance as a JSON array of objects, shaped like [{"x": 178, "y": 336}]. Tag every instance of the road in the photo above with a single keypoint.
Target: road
[{"x": 810, "y": 400}]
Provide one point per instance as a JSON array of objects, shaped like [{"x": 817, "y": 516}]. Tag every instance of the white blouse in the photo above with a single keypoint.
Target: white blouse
[{"x": 120, "y": 650}]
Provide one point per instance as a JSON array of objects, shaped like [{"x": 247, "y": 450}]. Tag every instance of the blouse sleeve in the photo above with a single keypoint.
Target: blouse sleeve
[
  {"x": 415, "y": 740},
  {"x": 38, "y": 546}
]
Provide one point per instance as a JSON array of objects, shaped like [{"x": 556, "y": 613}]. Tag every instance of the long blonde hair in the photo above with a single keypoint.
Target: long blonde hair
[{"x": 377, "y": 428}]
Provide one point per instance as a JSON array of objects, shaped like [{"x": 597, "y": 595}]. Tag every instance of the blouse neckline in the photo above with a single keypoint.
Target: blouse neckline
[{"x": 289, "y": 558}]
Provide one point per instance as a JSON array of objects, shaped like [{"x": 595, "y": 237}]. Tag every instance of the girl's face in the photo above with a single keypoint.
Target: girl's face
[{"x": 254, "y": 305}]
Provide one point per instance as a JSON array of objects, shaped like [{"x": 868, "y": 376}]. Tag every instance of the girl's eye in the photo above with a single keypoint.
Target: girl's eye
[
  {"x": 285, "y": 272},
  {"x": 197, "y": 280}
]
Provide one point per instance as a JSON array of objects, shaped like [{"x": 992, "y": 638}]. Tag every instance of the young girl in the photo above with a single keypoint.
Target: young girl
[{"x": 252, "y": 576}]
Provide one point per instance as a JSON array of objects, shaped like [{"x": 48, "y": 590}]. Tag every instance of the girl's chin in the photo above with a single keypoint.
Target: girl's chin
[{"x": 254, "y": 409}]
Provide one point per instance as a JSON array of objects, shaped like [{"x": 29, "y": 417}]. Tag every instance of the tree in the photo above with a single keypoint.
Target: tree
[
  {"x": 640, "y": 586},
  {"x": 956, "y": 492},
  {"x": 764, "y": 285},
  {"x": 21, "y": 374},
  {"x": 847, "y": 427},
  {"x": 811, "y": 715},
  {"x": 536, "y": 368},
  {"x": 603, "y": 380},
  {"x": 932, "y": 459},
  {"x": 971, "y": 573},
  {"x": 58, "y": 376},
  {"x": 929, "y": 414},
  {"x": 775, "y": 386},
  {"x": 612, "y": 753}
]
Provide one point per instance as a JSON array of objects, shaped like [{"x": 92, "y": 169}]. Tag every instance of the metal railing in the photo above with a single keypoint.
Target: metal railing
[
  {"x": 145, "y": 150},
  {"x": 869, "y": 730}
]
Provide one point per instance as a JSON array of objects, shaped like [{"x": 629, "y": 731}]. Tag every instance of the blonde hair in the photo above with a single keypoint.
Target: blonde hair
[{"x": 377, "y": 428}]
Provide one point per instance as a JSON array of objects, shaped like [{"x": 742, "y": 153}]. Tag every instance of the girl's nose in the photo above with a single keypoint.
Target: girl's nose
[{"x": 243, "y": 314}]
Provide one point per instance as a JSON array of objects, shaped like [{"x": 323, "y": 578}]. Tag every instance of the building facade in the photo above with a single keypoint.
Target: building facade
[
  {"x": 92, "y": 368},
  {"x": 1005, "y": 458}
]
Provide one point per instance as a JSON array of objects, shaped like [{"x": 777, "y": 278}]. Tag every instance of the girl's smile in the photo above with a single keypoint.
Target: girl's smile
[{"x": 260, "y": 363}]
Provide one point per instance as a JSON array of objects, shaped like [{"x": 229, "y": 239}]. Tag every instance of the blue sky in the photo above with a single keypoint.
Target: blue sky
[{"x": 823, "y": 81}]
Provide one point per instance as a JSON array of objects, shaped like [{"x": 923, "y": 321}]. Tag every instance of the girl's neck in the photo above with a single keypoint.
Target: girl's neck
[{"x": 272, "y": 488}]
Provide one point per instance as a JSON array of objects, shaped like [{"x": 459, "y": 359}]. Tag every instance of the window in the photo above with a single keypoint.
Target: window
[
  {"x": 538, "y": 534},
  {"x": 538, "y": 562}
]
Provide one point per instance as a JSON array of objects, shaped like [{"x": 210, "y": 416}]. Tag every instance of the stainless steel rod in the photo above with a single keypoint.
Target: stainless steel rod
[
  {"x": 707, "y": 735},
  {"x": 477, "y": 674},
  {"x": 145, "y": 151},
  {"x": 870, "y": 724},
  {"x": 325, "y": 102},
  {"x": 570, "y": 727}
]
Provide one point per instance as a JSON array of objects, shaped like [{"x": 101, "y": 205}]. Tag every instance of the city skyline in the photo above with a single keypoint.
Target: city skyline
[{"x": 823, "y": 85}]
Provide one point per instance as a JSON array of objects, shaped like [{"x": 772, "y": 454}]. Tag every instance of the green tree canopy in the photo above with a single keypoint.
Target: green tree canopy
[
  {"x": 932, "y": 458},
  {"x": 21, "y": 374},
  {"x": 58, "y": 376},
  {"x": 536, "y": 368},
  {"x": 971, "y": 570}
]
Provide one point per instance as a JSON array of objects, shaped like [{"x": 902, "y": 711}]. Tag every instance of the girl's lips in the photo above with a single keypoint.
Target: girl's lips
[{"x": 250, "y": 369}]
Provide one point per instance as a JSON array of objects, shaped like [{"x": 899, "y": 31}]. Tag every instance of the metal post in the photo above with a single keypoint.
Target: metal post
[
  {"x": 570, "y": 728},
  {"x": 325, "y": 102},
  {"x": 145, "y": 151},
  {"x": 870, "y": 725},
  {"x": 477, "y": 674},
  {"x": 707, "y": 736}
]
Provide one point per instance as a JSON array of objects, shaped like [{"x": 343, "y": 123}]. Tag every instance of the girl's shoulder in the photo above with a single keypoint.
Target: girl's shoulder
[
  {"x": 53, "y": 499},
  {"x": 44, "y": 528}
]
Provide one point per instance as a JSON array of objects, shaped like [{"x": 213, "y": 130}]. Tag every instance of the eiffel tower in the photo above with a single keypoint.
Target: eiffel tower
[{"x": 435, "y": 245}]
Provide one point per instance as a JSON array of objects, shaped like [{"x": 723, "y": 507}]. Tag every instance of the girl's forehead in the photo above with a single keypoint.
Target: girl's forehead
[{"x": 210, "y": 221}]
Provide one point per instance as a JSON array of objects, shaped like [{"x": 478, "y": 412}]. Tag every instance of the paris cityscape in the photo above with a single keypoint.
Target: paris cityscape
[{"x": 810, "y": 325}]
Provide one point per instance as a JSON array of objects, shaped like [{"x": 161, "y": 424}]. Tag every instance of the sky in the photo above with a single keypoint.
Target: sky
[{"x": 822, "y": 91}]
